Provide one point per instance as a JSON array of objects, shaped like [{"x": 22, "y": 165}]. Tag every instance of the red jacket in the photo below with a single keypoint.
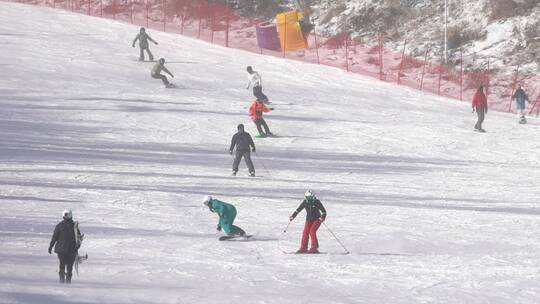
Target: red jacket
[
  {"x": 479, "y": 100},
  {"x": 256, "y": 110}
]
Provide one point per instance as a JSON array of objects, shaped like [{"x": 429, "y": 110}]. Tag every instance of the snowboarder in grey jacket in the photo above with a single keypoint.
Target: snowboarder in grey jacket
[
  {"x": 143, "y": 38},
  {"x": 242, "y": 141},
  {"x": 156, "y": 72},
  {"x": 65, "y": 245},
  {"x": 255, "y": 81}
]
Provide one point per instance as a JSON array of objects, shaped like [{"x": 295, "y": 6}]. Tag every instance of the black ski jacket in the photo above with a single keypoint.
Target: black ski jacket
[
  {"x": 314, "y": 210},
  {"x": 242, "y": 140},
  {"x": 64, "y": 237}
]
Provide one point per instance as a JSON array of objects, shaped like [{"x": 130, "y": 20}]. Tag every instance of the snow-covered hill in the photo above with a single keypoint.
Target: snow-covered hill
[{"x": 430, "y": 211}]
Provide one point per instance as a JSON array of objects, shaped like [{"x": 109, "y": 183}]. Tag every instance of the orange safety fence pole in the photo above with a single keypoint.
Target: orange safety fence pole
[
  {"x": 423, "y": 70},
  {"x": 401, "y": 62},
  {"x": 513, "y": 89}
]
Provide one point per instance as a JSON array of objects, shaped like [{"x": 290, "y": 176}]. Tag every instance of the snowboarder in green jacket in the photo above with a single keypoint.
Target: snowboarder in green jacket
[{"x": 227, "y": 214}]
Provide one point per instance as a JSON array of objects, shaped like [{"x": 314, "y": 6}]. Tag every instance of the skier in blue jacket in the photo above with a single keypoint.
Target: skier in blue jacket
[{"x": 227, "y": 214}]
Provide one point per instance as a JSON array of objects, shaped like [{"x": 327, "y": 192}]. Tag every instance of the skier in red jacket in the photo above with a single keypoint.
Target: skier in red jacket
[
  {"x": 315, "y": 215},
  {"x": 479, "y": 104},
  {"x": 256, "y": 111}
]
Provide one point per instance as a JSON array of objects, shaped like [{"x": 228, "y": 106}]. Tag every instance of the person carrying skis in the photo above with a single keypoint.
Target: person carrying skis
[
  {"x": 66, "y": 247},
  {"x": 227, "y": 214},
  {"x": 242, "y": 141},
  {"x": 156, "y": 72},
  {"x": 256, "y": 111},
  {"x": 520, "y": 97},
  {"x": 315, "y": 215},
  {"x": 143, "y": 38},
  {"x": 479, "y": 104},
  {"x": 255, "y": 80}
]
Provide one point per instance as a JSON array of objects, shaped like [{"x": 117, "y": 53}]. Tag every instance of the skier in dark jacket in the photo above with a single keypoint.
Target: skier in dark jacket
[
  {"x": 242, "y": 141},
  {"x": 156, "y": 72},
  {"x": 66, "y": 245},
  {"x": 315, "y": 215},
  {"x": 143, "y": 38}
]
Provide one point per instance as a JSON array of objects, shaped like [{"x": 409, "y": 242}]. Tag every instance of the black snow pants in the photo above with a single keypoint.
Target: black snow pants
[
  {"x": 162, "y": 77},
  {"x": 150, "y": 56},
  {"x": 247, "y": 157},
  {"x": 66, "y": 266},
  {"x": 481, "y": 115},
  {"x": 257, "y": 91},
  {"x": 260, "y": 123}
]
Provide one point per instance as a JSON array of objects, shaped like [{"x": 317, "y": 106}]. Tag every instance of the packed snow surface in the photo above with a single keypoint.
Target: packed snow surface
[{"x": 430, "y": 211}]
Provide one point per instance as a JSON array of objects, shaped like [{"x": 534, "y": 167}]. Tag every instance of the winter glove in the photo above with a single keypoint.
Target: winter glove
[
  {"x": 322, "y": 218},
  {"x": 218, "y": 227},
  {"x": 230, "y": 152},
  {"x": 133, "y": 45},
  {"x": 156, "y": 43},
  {"x": 50, "y": 250},
  {"x": 271, "y": 109},
  {"x": 253, "y": 150}
]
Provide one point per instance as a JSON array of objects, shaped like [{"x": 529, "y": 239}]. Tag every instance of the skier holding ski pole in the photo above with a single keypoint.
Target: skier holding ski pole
[{"x": 315, "y": 216}]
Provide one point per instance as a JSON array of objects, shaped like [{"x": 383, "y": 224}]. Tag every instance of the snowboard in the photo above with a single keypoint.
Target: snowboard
[
  {"x": 523, "y": 121},
  {"x": 235, "y": 237},
  {"x": 78, "y": 240},
  {"x": 480, "y": 131},
  {"x": 265, "y": 136}
]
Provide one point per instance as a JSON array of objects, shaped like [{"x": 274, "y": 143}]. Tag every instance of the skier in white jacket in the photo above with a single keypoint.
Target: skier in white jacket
[{"x": 255, "y": 80}]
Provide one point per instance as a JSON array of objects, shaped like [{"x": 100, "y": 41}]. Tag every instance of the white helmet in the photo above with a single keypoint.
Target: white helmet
[
  {"x": 67, "y": 214},
  {"x": 309, "y": 194},
  {"x": 207, "y": 199}
]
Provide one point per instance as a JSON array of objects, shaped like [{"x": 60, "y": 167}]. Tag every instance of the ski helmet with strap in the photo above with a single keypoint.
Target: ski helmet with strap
[
  {"x": 310, "y": 195},
  {"x": 206, "y": 200}
]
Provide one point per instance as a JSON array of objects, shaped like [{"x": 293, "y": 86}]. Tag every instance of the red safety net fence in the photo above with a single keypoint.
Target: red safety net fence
[{"x": 217, "y": 23}]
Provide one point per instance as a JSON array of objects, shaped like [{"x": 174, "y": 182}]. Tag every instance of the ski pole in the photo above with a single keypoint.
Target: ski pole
[
  {"x": 285, "y": 230},
  {"x": 347, "y": 251},
  {"x": 262, "y": 163}
]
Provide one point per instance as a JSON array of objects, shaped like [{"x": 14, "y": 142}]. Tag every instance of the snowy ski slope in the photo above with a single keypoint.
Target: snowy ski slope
[{"x": 431, "y": 211}]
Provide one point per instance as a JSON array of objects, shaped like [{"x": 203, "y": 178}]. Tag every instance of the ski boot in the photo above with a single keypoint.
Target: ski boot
[
  {"x": 252, "y": 174},
  {"x": 313, "y": 250},
  {"x": 68, "y": 278},
  {"x": 234, "y": 173},
  {"x": 62, "y": 277}
]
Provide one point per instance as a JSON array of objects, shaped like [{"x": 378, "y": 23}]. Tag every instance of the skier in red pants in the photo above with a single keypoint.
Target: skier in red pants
[{"x": 315, "y": 215}]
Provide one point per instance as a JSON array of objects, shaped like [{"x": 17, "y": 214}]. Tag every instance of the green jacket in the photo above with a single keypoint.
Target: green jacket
[{"x": 223, "y": 209}]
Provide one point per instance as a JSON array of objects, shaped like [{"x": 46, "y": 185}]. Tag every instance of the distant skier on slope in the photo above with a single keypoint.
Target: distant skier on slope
[
  {"x": 479, "y": 104},
  {"x": 227, "y": 214},
  {"x": 256, "y": 111},
  {"x": 315, "y": 215},
  {"x": 242, "y": 141},
  {"x": 143, "y": 38},
  {"x": 65, "y": 236},
  {"x": 520, "y": 97},
  {"x": 255, "y": 80},
  {"x": 156, "y": 72}
]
